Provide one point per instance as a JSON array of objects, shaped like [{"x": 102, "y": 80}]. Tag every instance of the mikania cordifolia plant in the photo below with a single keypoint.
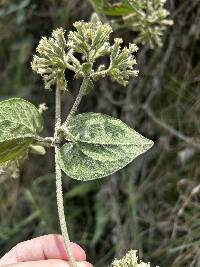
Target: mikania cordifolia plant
[{"x": 87, "y": 146}]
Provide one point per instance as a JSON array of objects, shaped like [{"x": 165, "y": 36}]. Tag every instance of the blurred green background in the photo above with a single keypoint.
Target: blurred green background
[{"x": 153, "y": 205}]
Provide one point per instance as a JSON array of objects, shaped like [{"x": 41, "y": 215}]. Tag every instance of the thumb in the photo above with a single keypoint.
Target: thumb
[{"x": 49, "y": 263}]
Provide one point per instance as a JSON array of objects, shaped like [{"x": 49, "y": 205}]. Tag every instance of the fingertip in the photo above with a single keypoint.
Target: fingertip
[
  {"x": 78, "y": 252},
  {"x": 54, "y": 248}
]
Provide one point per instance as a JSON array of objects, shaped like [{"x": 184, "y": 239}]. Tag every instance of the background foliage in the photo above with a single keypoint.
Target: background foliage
[{"x": 153, "y": 204}]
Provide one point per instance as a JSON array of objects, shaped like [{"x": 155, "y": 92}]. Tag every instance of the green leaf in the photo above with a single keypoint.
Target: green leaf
[
  {"x": 81, "y": 167},
  {"x": 12, "y": 149},
  {"x": 117, "y": 11},
  {"x": 99, "y": 146},
  {"x": 111, "y": 152},
  {"x": 125, "y": 7},
  {"x": 19, "y": 119},
  {"x": 97, "y": 128}
]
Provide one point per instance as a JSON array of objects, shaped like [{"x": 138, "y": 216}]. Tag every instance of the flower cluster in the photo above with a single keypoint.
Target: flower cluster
[
  {"x": 122, "y": 62},
  {"x": 130, "y": 260},
  {"x": 149, "y": 19},
  {"x": 92, "y": 41},
  {"x": 50, "y": 63}
]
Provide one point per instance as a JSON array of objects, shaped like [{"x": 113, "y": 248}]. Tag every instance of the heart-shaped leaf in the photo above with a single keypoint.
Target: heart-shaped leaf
[{"x": 99, "y": 146}]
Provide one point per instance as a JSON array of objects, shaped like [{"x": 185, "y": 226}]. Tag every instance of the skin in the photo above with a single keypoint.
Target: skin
[{"x": 44, "y": 251}]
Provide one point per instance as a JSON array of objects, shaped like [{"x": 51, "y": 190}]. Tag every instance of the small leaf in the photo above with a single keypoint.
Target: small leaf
[
  {"x": 117, "y": 11},
  {"x": 86, "y": 68},
  {"x": 99, "y": 146},
  {"x": 38, "y": 150},
  {"x": 10, "y": 150},
  {"x": 19, "y": 119}
]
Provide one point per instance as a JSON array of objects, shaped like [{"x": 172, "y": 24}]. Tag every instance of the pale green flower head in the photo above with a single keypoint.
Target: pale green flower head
[
  {"x": 90, "y": 39},
  {"x": 50, "y": 61},
  {"x": 130, "y": 260},
  {"x": 150, "y": 20},
  {"x": 122, "y": 62}
]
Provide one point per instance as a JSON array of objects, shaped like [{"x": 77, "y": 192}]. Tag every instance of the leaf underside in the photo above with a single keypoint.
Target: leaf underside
[
  {"x": 101, "y": 145},
  {"x": 10, "y": 150},
  {"x": 20, "y": 123}
]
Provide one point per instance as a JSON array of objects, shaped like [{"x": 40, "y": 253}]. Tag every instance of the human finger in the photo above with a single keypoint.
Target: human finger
[{"x": 42, "y": 248}]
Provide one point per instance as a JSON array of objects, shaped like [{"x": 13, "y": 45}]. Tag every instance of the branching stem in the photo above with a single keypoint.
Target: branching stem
[
  {"x": 59, "y": 191},
  {"x": 82, "y": 91}
]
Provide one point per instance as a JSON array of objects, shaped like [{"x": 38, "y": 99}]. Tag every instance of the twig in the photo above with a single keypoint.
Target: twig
[
  {"x": 81, "y": 93},
  {"x": 167, "y": 127}
]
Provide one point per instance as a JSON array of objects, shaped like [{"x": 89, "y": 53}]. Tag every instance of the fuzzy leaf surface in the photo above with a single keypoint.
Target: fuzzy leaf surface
[
  {"x": 79, "y": 166},
  {"x": 99, "y": 146},
  {"x": 19, "y": 119},
  {"x": 97, "y": 128}
]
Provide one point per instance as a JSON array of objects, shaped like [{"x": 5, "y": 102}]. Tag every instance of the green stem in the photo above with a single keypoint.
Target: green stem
[
  {"x": 59, "y": 191},
  {"x": 81, "y": 93}
]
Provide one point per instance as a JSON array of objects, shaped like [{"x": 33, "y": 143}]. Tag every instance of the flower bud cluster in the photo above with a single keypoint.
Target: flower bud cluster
[
  {"x": 122, "y": 62},
  {"x": 149, "y": 19},
  {"x": 50, "y": 61},
  {"x": 130, "y": 260},
  {"x": 92, "y": 41}
]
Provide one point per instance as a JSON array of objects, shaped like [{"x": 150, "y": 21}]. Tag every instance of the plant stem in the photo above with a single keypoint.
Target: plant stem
[
  {"x": 47, "y": 141},
  {"x": 59, "y": 191},
  {"x": 83, "y": 88}
]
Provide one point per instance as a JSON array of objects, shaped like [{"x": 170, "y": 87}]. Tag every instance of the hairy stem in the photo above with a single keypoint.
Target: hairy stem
[
  {"x": 83, "y": 88},
  {"x": 59, "y": 192},
  {"x": 47, "y": 141}
]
